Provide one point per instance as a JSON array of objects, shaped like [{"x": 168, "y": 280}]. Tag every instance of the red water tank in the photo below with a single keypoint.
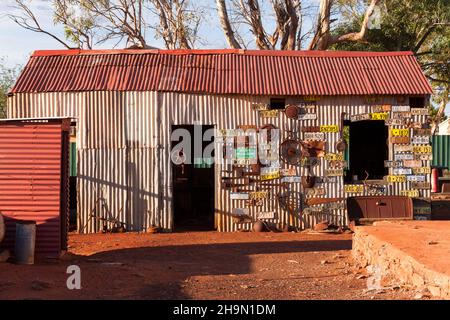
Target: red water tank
[{"x": 435, "y": 180}]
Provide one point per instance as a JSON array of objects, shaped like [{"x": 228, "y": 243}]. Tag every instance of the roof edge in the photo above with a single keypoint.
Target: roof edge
[{"x": 294, "y": 53}]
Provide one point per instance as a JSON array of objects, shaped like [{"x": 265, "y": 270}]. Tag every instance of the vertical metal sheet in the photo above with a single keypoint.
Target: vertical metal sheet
[
  {"x": 441, "y": 151},
  {"x": 31, "y": 180}
]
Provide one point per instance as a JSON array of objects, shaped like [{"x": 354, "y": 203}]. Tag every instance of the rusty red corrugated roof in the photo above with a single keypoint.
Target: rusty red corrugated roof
[{"x": 249, "y": 72}]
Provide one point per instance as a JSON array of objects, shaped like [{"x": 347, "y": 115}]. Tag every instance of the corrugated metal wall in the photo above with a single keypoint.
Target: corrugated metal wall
[
  {"x": 123, "y": 142},
  {"x": 31, "y": 181},
  {"x": 441, "y": 151}
]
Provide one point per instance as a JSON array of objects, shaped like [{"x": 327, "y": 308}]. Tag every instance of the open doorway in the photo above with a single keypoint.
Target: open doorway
[
  {"x": 193, "y": 185},
  {"x": 367, "y": 150}
]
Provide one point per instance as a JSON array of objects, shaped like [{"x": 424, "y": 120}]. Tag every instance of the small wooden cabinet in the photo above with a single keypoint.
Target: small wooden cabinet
[{"x": 379, "y": 208}]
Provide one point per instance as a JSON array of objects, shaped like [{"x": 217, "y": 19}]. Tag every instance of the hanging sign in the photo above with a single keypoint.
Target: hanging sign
[
  {"x": 419, "y": 111},
  {"x": 317, "y": 136},
  {"x": 255, "y": 195},
  {"x": 403, "y": 148},
  {"x": 401, "y": 171},
  {"x": 269, "y": 113},
  {"x": 312, "y": 192},
  {"x": 310, "y": 129},
  {"x": 354, "y": 188},
  {"x": 329, "y": 128},
  {"x": 401, "y": 115},
  {"x": 420, "y": 140},
  {"x": 291, "y": 179},
  {"x": 395, "y": 179},
  {"x": 423, "y": 149},
  {"x": 240, "y": 212},
  {"x": 288, "y": 172},
  {"x": 399, "y": 140},
  {"x": 394, "y": 122},
  {"x": 310, "y": 98},
  {"x": 410, "y": 193},
  {"x": 399, "y": 132},
  {"x": 379, "y": 116},
  {"x": 400, "y": 109},
  {"x": 403, "y": 156},
  {"x": 239, "y": 196},
  {"x": 334, "y": 172},
  {"x": 260, "y": 106},
  {"x": 421, "y": 185},
  {"x": 307, "y": 116},
  {"x": 393, "y": 164},
  {"x": 421, "y": 132},
  {"x": 381, "y": 108},
  {"x": 360, "y": 117},
  {"x": 270, "y": 173},
  {"x": 266, "y": 215},
  {"x": 334, "y": 157},
  {"x": 412, "y": 163},
  {"x": 422, "y": 170},
  {"x": 416, "y": 178},
  {"x": 423, "y": 157}
]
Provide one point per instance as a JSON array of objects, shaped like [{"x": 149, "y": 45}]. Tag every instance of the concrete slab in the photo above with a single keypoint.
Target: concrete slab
[{"x": 413, "y": 253}]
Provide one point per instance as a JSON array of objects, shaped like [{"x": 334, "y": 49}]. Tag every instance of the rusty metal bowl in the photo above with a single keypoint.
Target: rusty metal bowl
[
  {"x": 308, "y": 181},
  {"x": 292, "y": 112}
]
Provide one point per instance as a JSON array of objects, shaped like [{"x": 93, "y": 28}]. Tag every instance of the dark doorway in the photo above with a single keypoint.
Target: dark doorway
[
  {"x": 193, "y": 184},
  {"x": 368, "y": 149}
]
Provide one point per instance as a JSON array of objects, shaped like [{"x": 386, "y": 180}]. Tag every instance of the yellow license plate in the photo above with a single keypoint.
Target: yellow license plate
[
  {"x": 329, "y": 128},
  {"x": 399, "y": 132}
]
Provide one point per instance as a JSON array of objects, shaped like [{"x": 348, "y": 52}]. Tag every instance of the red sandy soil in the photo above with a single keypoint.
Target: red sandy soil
[
  {"x": 428, "y": 242},
  {"x": 199, "y": 265}
]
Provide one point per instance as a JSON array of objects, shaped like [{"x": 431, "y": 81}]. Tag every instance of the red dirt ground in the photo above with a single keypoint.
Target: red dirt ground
[{"x": 199, "y": 265}]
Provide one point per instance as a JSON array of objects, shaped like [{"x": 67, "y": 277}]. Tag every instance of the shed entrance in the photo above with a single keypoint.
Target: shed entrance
[
  {"x": 367, "y": 151},
  {"x": 193, "y": 177}
]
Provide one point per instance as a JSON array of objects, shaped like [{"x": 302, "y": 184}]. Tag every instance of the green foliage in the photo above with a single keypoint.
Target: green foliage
[{"x": 7, "y": 78}]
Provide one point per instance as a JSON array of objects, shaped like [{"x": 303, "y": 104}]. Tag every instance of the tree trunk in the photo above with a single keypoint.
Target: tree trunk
[{"x": 226, "y": 25}]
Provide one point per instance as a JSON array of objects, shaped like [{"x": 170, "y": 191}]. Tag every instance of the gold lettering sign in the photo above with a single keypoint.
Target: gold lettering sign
[
  {"x": 380, "y": 116},
  {"x": 395, "y": 179},
  {"x": 329, "y": 128},
  {"x": 270, "y": 176},
  {"x": 260, "y": 106},
  {"x": 422, "y": 170},
  {"x": 354, "y": 188},
  {"x": 334, "y": 172},
  {"x": 399, "y": 132},
  {"x": 423, "y": 149},
  {"x": 334, "y": 157},
  {"x": 410, "y": 193},
  {"x": 268, "y": 113},
  {"x": 419, "y": 111},
  {"x": 258, "y": 195}
]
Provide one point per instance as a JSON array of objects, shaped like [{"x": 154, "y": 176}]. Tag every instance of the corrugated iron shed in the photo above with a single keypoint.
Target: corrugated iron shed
[
  {"x": 245, "y": 72},
  {"x": 32, "y": 180}
]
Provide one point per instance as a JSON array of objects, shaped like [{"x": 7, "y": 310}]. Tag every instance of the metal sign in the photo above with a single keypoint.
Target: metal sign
[
  {"x": 422, "y": 170},
  {"x": 381, "y": 108},
  {"x": 419, "y": 111},
  {"x": 416, "y": 178},
  {"x": 255, "y": 195},
  {"x": 291, "y": 179},
  {"x": 266, "y": 215},
  {"x": 307, "y": 116},
  {"x": 334, "y": 157},
  {"x": 394, "y": 122},
  {"x": 399, "y": 132},
  {"x": 395, "y": 179},
  {"x": 334, "y": 172},
  {"x": 318, "y": 136},
  {"x": 421, "y": 132},
  {"x": 401, "y": 115},
  {"x": 422, "y": 210},
  {"x": 410, "y": 193},
  {"x": 423, "y": 157},
  {"x": 401, "y": 171},
  {"x": 379, "y": 116},
  {"x": 245, "y": 153},
  {"x": 310, "y": 98},
  {"x": 239, "y": 212},
  {"x": 288, "y": 172},
  {"x": 269, "y": 113},
  {"x": 335, "y": 206},
  {"x": 423, "y": 149},
  {"x": 400, "y": 109},
  {"x": 329, "y": 128},
  {"x": 326, "y": 179},
  {"x": 399, "y": 140},
  {"x": 310, "y": 192},
  {"x": 412, "y": 163},
  {"x": 310, "y": 129},
  {"x": 414, "y": 124},
  {"x": 354, "y": 188},
  {"x": 260, "y": 106},
  {"x": 403, "y": 156},
  {"x": 420, "y": 140},
  {"x": 376, "y": 189},
  {"x": 421, "y": 185},
  {"x": 360, "y": 117},
  {"x": 337, "y": 164},
  {"x": 393, "y": 164},
  {"x": 239, "y": 196},
  {"x": 403, "y": 148}
]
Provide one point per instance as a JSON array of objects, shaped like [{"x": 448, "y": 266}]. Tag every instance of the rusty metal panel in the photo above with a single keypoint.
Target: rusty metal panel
[
  {"x": 32, "y": 180},
  {"x": 380, "y": 208},
  {"x": 242, "y": 72}
]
